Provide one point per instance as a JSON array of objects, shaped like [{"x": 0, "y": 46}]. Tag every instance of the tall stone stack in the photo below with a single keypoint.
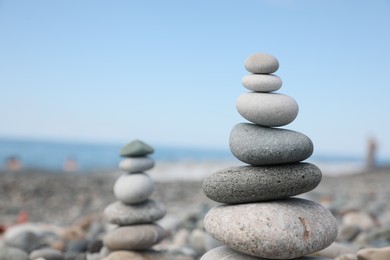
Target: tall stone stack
[
  {"x": 258, "y": 219},
  {"x": 134, "y": 212}
]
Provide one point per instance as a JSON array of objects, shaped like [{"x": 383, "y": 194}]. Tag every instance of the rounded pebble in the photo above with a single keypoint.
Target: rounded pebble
[
  {"x": 261, "y": 63},
  {"x": 281, "y": 229},
  {"x": 46, "y": 253},
  {"x": 258, "y": 145},
  {"x": 9, "y": 252},
  {"x": 144, "y": 212},
  {"x": 262, "y": 82},
  {"x": 137, "y": 237},
  {"x": 242, "y": 184},
  {"x": 133, "y": 188},
  {"x": 136, "y": 164},
  {"x": 267, "y": 109}
]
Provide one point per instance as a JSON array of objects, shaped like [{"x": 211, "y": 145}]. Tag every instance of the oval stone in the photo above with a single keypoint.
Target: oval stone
[
  {"x": 137, "y": 237},
  {"x": 226, "y": 253},
  {"x": 281, "y": 229},
  {"x": 258, "y": 145},
  {"x": 136, "y": 164},
  {"x": 267, "y": 109},
  {"x": 133, "y": 188},
  {"x": 242, "y": 184},
  {"x": 261, "y": 63},
  {"x": 262, "y": 82},
  {"x": 144, "y": 212},
  {"x": 136, "y": 148}
]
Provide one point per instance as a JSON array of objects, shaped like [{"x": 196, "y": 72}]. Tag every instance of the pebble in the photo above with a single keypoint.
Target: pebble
[
  {"x": 267, "y": 109},
  {"x": 262, "y": 82},
  {"x": 358, "y": 218},
  {"x": 133, "y": 188},
  {"x": 242, "y": 184},
  {"x": 146, "y": 255},
  {"x": 46, "y": 253},
  {"x": 136, "y": 164},
  {"x": 348, "y": 233},
  {"x": 227, "y": 253},
  {"x": 136, "y": 148},
  {"x": 374, "y": 253},
  {"x": 9, "y": 253},
  {"x": 136, "y": 237},
  {"x": 311, "y": 227},
  {"x": 261, "y": 63},
  {"x": 258, "y": 145},
  {"x": 24, "y": 240},
  {"x": 336, "y": 249},
  {"x": 144, "y": 212},
  {"x": 346, "y": 257}
]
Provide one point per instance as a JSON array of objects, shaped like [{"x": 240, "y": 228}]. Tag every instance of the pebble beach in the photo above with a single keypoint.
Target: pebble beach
[{"x": 63, "y": 211}]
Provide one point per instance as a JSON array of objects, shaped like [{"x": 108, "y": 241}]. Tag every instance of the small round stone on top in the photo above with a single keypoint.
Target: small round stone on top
[
  {"x": 261, "y": 63},
  {"x": 136, "y": 148}
]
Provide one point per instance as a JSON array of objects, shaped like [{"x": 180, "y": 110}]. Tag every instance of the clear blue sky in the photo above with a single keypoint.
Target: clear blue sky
[{"x": 169, "y": 72}]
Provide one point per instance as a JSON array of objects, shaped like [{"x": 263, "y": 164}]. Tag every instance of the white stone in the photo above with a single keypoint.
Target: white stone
[
  {"x": 261, "y": 63},
  {"x": 262, "y": 82},
  {"x": 136, "y": 164},
  {"x": 267, "y": 109},
  {"x": 133, "y": 188}
]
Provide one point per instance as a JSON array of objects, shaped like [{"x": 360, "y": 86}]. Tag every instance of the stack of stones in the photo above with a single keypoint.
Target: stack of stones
[
  {"x": 134, "y": 212},
  {"x": 258, "y": 219}
]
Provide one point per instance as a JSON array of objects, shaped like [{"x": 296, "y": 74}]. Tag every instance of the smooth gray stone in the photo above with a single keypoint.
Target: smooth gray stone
[
  {"x": 136, "y": 148},
  {"x": 275, "y": 229},
  {"x": 267, "y": 109},
  {"x": 241, "y": 184},
  {"x": 133, "y": 188},
  {"x": 144, "y": 212},
  {"x": 136, "y": 237},
  {"x": 261, "y": 63},
  {"x": 262, "y": 82},
  {"x": 226, "y": 253},
  {"x": 258, "y": 145},
  {"x": 136, "y": 164},
  {"x": 47, "y": 254},
  {"x": 10, "y": 253}
]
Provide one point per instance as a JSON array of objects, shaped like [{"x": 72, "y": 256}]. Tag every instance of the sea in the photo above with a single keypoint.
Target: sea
[{"x": 52, "y": 155}]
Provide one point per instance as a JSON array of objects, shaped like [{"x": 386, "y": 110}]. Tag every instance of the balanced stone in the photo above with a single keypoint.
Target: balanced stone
[
  {"x": 261, "y": 63},
  {"x": 133, "y": 188},
  {"x": 144, "y": 212},
  {"x": 267, "y": 109},
  {"x": 242, "y": 184},
  {"x": 47, "y": 254},
  {"x": 136, "y": 148},
  {"x": 262, "y": 82},
  {"x": 281, "y": 229},
  {"x": 258, "y": 145},
  {"x": 137, "y": 237},
  {"x": 136, "y": 164},
  {"x": 226, "y": 253}
]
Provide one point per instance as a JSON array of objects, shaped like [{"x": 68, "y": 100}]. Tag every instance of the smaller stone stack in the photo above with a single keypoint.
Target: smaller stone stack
[
  {"x": 259, "y": 220},
  {"x": 134, "y": 212}
]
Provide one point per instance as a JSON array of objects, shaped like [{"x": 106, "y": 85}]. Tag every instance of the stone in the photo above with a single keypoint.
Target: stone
[
  {"x": 242, "y": 184},
  {"x": 258, "y": 145},
  {"x": 136, "y": 148},
  {"x": 262, "y": 82},
  {"x": 137, "y": 237},
  {"x": 144, "y": 212},
  {"x": 358, "y": 218},
  {"x": 147, "y": 255},
  {"x": 24, "y": 240},
  {"x": 267, "y": 109},
  {"x": 348, "y": 233},
  {"x": 9, "y": 252},
  {"x": 133, "y": 188},
  {"x": 261, "y": 63},
  {"x": 46, "y": 253},
  {"x": 346, "y": 257},
  {"x": 227, "y": 253},
  {"x": 280, "y": 229},
  {"x": 336, "y": 249},
  {"x": 374, "y": 253},
  {"x": 136, "y": 164}
]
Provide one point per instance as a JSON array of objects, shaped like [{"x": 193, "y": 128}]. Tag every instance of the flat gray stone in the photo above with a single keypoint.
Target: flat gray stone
[
  {"x": 144, "y": 212},
  {"x": 226, "y": 253},
  {"x": 282, "y": 229},
  {"x": 136, "y": 148},
  {"x": 261, "y": 63},
  {"x": 262, "y": 82},
  {"x": 258, "y": 145},
  {"x": 136, "y": 164},
  {"x": 9, "y": 253},
  {"x": 133, "y": 188},
  {"x": 47, "y": 254},
  {"x": 242, "y": 184},
  {"x": 267, "y": 109},
  {"x": 137, "y": 237}
]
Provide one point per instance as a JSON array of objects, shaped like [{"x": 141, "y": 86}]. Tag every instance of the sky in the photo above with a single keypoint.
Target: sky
[{"x": 169, "y": 72}]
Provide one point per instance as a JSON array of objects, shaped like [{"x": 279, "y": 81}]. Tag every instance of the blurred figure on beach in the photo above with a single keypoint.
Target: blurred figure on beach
[
  {"x": 70, "y": 165},
  {"x": 13, "y": 163},
  {"x": 372, "y": 147}
]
